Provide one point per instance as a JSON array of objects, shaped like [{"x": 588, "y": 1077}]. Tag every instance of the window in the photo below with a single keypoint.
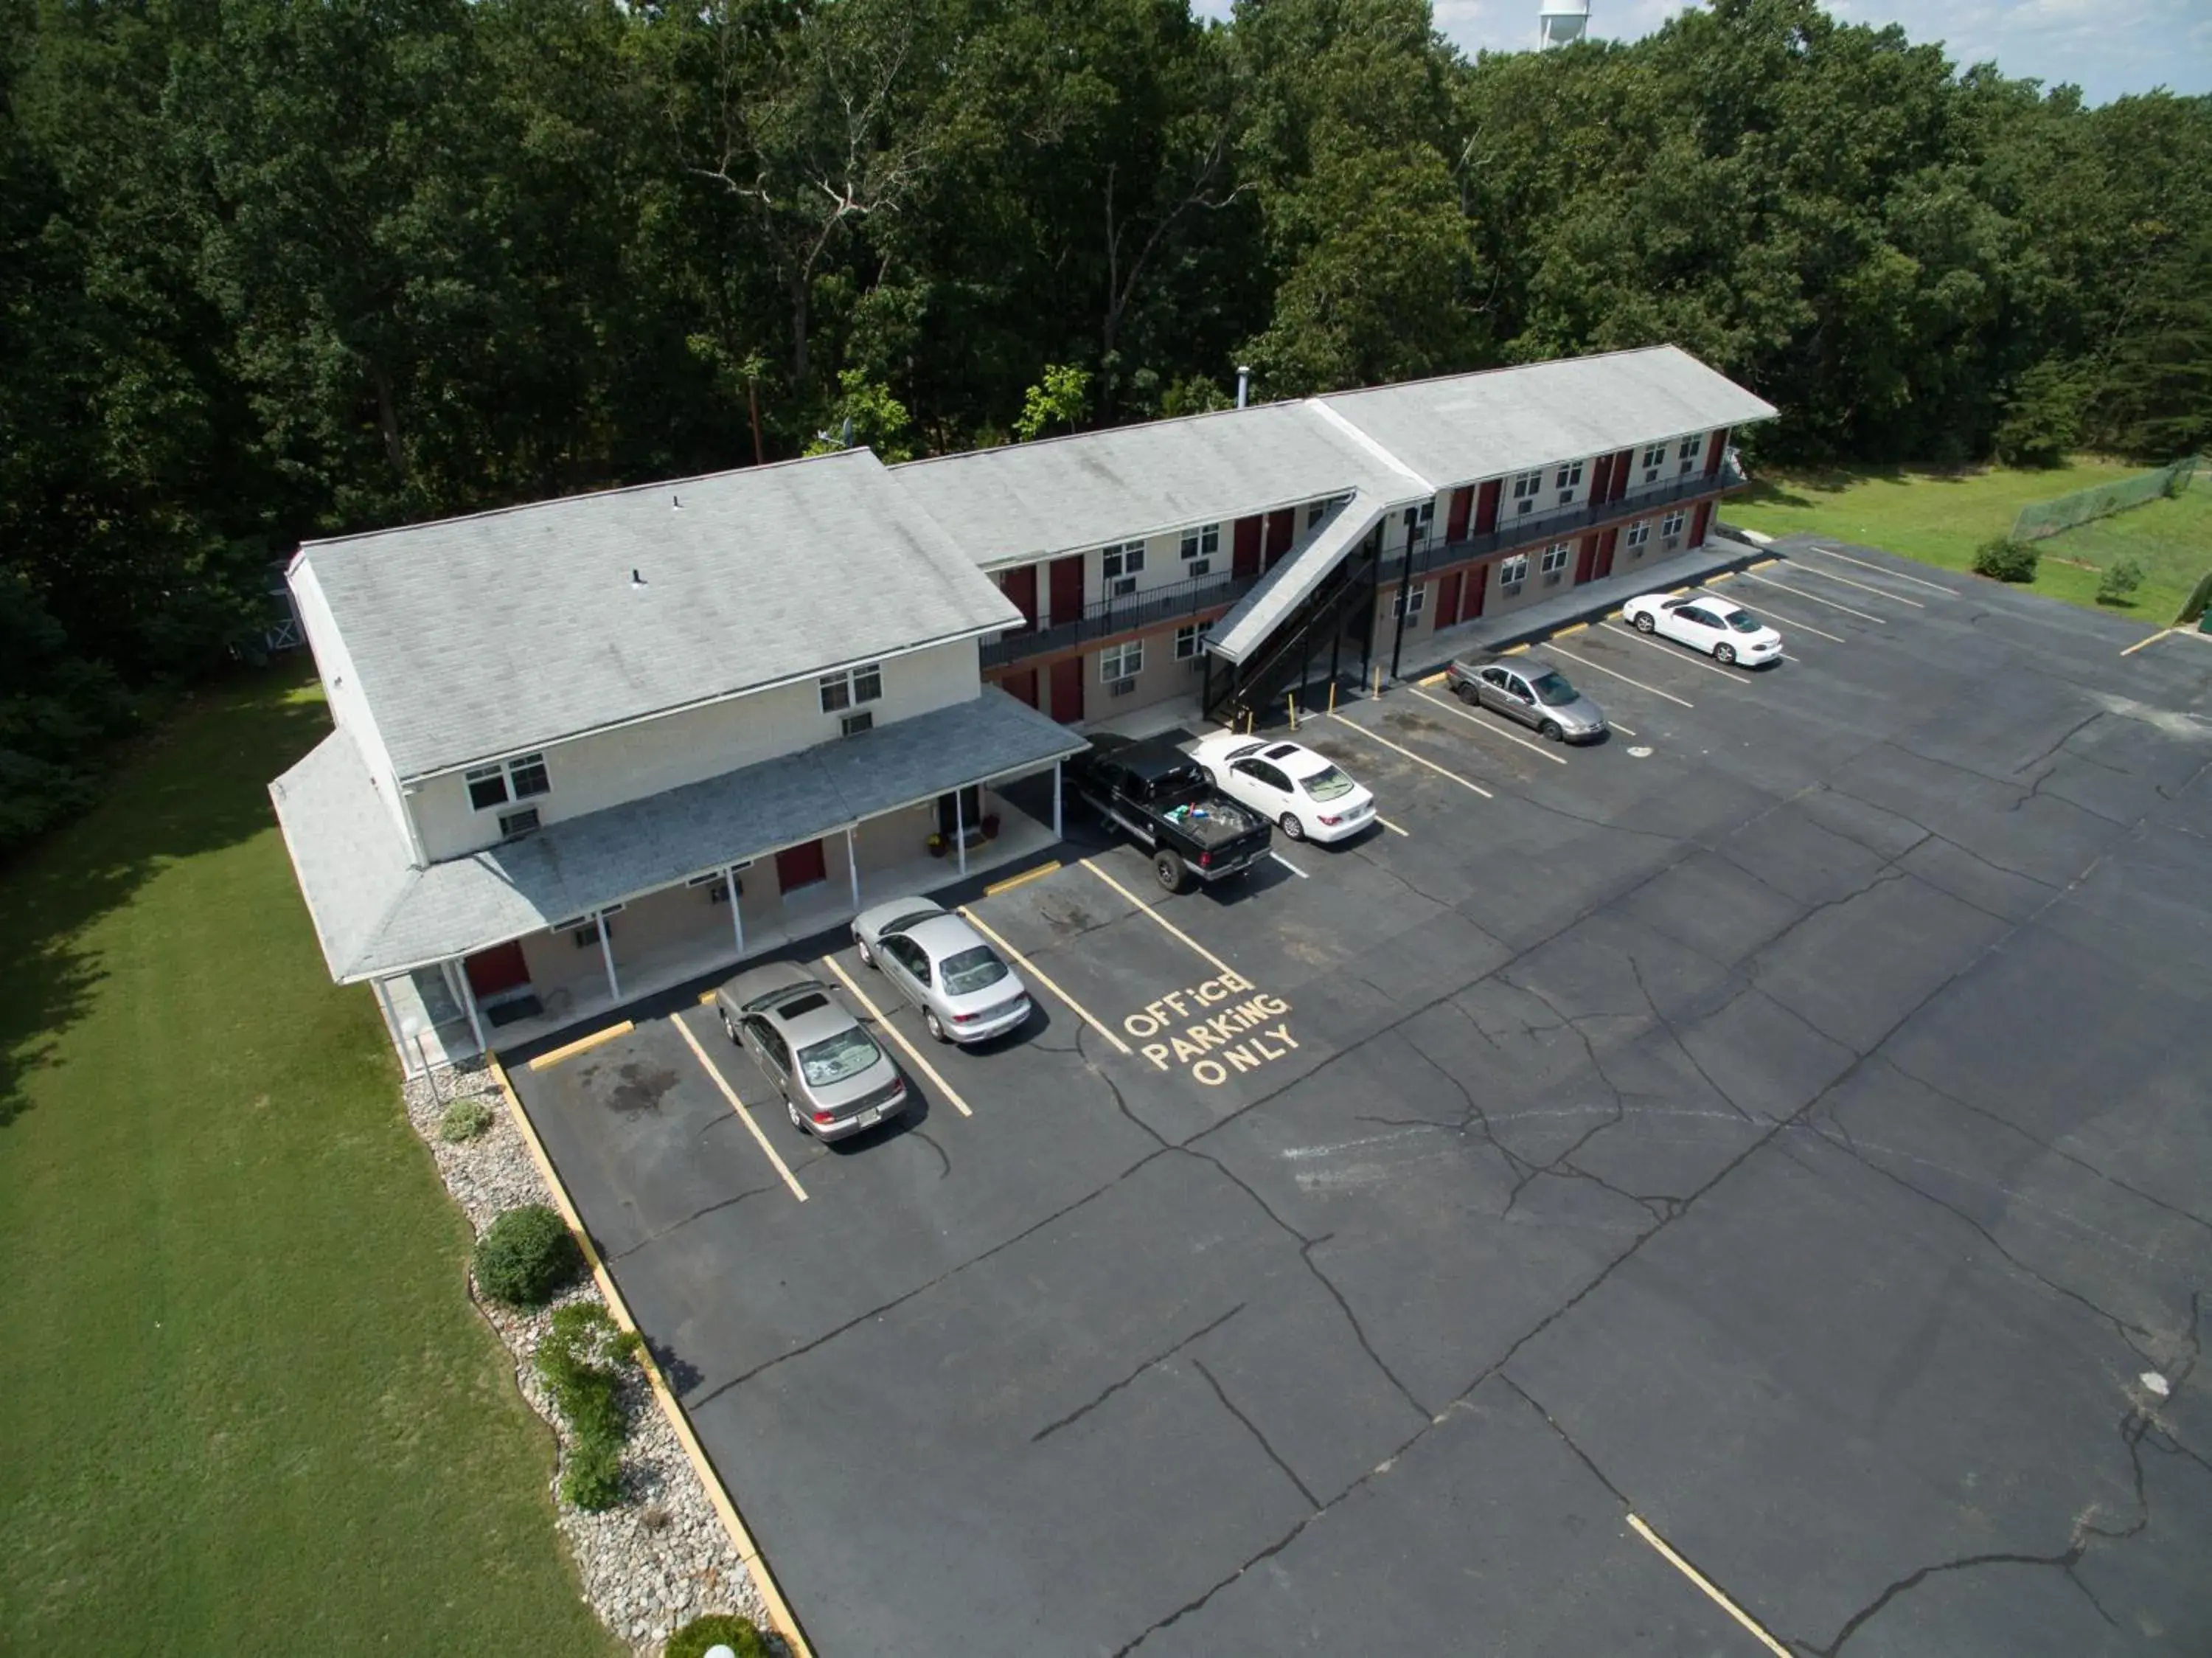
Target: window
[
  {"x": 852, "y": 724},
  {"x": 1190, "y": 640},
  {"x": 520, "y": 778},
  {"x": 512, "y": 824},
  {"x": 1122, "y": 662},
  {"x": 1124, "y": 558},
  {"x": 1525, "y": 489},
  {"x": 584, "y": 930},
  {"x": 1316, "y": 511},
  {"x": 1410, "y": 605},
  {"x": 1569, "y": 480},
  {"x": 1512, "y": 572},
  {"x": 1688, "y": 453},
  {"x": 718, "y": 888},
  {"x": 1202, "y": 542},
  {"x": 1673, "y": 523},
  {"x": 840, "y": 691},
  {"x": 1639, "y": 532},
  {"x": 1655, "y": 455},
  {"x": 1555, "y": 557}
]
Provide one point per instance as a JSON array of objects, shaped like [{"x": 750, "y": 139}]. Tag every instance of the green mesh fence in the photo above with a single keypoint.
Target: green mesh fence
[{"x": 2041, "y": 518}]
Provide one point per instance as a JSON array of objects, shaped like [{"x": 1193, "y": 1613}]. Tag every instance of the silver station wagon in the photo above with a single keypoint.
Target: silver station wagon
[
  {"x": 834, "y": 1079},
  {"x": 942, "y": 965}
]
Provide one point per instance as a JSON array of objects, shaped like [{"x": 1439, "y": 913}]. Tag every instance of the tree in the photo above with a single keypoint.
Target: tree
[{"x": 1057, "y": 401}]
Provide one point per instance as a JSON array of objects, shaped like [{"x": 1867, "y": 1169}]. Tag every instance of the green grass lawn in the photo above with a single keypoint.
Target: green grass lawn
[
  {"x": 1939, "y": 518},
  {"x": 245, "y": 1404}
]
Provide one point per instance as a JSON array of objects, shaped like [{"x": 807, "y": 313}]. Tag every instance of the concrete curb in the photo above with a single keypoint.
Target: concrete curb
[{"x": 740, "y": 1536}]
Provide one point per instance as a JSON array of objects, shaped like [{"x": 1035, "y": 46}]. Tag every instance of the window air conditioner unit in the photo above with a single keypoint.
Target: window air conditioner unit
[
  {"x": 1524, "y": 505},
  {"x": 1688, "y": 467},
  {"x": 1651, "y": 475},
  {"x": 512, "y": 826},
  {"x": 1123, "y": 587},
  {"x": 1120, "y": 688},
  {"x": 1508, "y": 589},
  {"x": 1200, "y": 567},
  {"x": 1672, "y": 544},
  {"x": 1551, "y": 578},
  {"x": 1566, "y": 497},
  {"x": 852, "y": 724}
]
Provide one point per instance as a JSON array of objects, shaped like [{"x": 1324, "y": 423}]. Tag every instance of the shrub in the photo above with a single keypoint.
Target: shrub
[
  {"x": 592, "y": 1479},
  {"x": 526, "y": 1256},
  {"x": 464, "y": 1120},
  {"x": 2120, "y": 581},
  {"x": 716, "y": 1629},
  {"x": 581, "y": 1362},
  {"x": 2004, "y": 559}
]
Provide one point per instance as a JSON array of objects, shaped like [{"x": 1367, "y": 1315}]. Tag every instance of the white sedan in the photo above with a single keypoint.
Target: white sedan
[
  {"x": 1728, "y": 633},
  {"x": 1303, "y": 793}
]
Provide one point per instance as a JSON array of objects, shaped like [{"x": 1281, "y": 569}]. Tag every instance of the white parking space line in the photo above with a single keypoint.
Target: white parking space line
[
  {"x": 1481, "y": 724},
  {"x": 1416, "y": 759},
  {"x": 1879, "y": 621},
  {"x": 1030, "y": 970},
  {"x": 1769, "y": 611},
  {"x": 1893, "y": 574},
  {"x": 1619, "y": 726},
  {"x": 1576, "y": 656},
  {"x": 1218, "y": 963},
  {"x": 1677, "y": 652},
  {"x": 898, "y": 1036},
  {"x": 1391, "y": 827},
  {"x": 738, "y": 1106},
  {"x": 1698, "y": 1577},
  {"x": 1287, "y": 864},
  {"x": 1863, "y": 586}
]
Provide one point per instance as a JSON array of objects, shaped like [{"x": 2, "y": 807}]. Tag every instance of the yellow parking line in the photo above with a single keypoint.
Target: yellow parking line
[
  {"x": 898, "y": 1036},
  {"x": 1436, "y": 678},
  {"x": 1012, "y": 881},
  {"x": 1879, "y": 621},
  {"x": 2153, "y": 640},
  {"x": 1562, "y": 632},
  {"x": 1481, "y": 724},
  {"x": 1200, "y": 949},
  {"x": 1671, "y": 650},
  {"x": 738, "y": 1106},
  {"x": 580, "y": 1043},
  {"x": 1514, "y": 651},
  {"x": 705, "y": 996},
  {"x": 1576, "y": 656},
  {"x": 1029, "y": 969},
  {"x": 1391, "y": 827},
  {"x": 1416, "y": 759},
  {"x": 1705, "y": 1583}
]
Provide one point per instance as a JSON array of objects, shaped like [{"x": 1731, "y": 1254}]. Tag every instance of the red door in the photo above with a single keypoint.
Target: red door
[
  {"x": 801, "y": 866},
  {"x": 1697, "y": 524},
  {"x": 1486, "y": 511},
  {"x": 1621, "y": 463},
  {"x": 1448, "y": 597},
  {"x": 1716, "y": 447},
  {"x": 1474, "y": 591},
  {"x": 1247, "y": 561},
  {"x": 499, "y": 968},
  {"x": 1281, "y": 526},
  {"x": 1020, "y": 586},
  {"x": 1605, "y": 543},
  {"x": 1585, "y": 556},
  {"x": 1066, "y": 589},
  {"x": 1601, "y": 479},
  {"x": 1021, "y": 685},
  {"x": 1067, "y": 689},
  {"x": 1462, "y": 501}
]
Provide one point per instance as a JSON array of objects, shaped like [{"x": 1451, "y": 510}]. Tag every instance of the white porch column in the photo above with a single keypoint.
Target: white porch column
[
  {"x": 607, "y": 954},
  {"x": 410, "y": 1064},
  {"x": 737, "y": 918},
  {"x": 457, "y": 975},
  {"x": 1055, "y": 799},
  {"x": 960, "y": 829},
  {"x": 852, "y": 869}
]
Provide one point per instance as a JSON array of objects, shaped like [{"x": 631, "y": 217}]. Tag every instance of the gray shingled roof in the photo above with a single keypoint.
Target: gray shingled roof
[
  {"x": 376, "y": 915},
  {"x": 1013, "y": 504},
  {"x": 1465, "y": 427},
  {"x": 475, "y": 638},
  {"x": 1284, "y": 588}
]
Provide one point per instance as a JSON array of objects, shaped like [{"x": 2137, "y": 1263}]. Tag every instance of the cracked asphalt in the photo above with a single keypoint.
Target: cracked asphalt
[{"x": 1795, "y": 1135}]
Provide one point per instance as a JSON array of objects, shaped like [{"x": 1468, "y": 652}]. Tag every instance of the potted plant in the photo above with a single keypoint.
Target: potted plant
[{"x": 936, "y": 844}]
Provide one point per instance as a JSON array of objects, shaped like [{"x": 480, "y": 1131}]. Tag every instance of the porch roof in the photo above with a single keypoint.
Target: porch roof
[{"x": 376, "y": 914}]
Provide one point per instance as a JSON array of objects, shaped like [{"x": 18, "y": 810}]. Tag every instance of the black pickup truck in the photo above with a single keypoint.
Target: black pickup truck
[{"x": 1163, "y": 800}]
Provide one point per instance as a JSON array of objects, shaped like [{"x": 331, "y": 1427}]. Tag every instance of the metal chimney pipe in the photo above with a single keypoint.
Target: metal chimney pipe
[{"x": 1244, "y": 384}]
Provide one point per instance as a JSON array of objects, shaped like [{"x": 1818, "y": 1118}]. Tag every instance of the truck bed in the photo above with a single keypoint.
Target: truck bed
[{"x": 1215, "y": 822}]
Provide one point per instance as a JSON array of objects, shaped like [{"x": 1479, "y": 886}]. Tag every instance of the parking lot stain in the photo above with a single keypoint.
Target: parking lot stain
[
  {"x": 638, "y": 1086},
  {"x": 1066, "y": 914}
]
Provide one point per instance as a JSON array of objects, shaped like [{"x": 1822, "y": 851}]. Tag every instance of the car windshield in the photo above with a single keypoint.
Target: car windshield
[
  {"x": 1552, "y": 689},
  {"x": 1744, "y": 622},
  {"x": 971, "y": 970},
  {"x": 837, "y": 1058},
  {"x": 1328, "y": 783}
]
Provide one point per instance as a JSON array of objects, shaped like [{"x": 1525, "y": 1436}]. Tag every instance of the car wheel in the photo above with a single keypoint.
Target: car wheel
[
  {"x": 1291, "y": 828},
  {"x": 1724, "y": 655},
  {"x": 1466, "y": 692},
  {"x": 729, "y": 1026},
  {"x": 1168, "y": 867},
  {"x": 1551, "y": 732},
  {"x": 867, "y": 956},
  {"x": 1644, "y": 623},
  {"x": 935, "y": 1024}
]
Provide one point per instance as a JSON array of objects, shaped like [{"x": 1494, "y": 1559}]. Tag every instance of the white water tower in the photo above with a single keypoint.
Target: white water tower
[{"x": 1559, "y": 21}]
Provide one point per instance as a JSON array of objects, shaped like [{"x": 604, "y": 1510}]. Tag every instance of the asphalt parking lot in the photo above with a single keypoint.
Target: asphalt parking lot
[{"x": 1779, "y": 1133}]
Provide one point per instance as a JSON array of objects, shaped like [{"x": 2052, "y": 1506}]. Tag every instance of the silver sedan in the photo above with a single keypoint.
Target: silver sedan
[
  {"x": 942, "y": 965},
  {"x": 834, "y": 1079}
]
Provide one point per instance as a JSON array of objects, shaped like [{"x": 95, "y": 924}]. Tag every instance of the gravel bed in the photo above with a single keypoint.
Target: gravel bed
[{"x": 661, "y": 1557}]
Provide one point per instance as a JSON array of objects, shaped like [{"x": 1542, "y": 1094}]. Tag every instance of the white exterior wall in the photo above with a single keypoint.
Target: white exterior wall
[
  {"x": 349, "y": 705},
  {"x": 590, "y": 773}
]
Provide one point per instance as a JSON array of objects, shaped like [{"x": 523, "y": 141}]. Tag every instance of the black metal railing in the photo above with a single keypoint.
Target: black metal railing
[
  {"x": 1107, "y": 617},
  {"x": 1528, "y": 528}
]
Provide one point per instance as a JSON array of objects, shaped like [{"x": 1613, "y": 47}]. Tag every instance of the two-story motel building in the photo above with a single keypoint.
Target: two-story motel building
[{"x": 589, "y": 748}]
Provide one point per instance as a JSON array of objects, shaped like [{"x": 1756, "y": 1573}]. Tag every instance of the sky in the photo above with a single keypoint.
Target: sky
[{"x": 2106, "y": 47}]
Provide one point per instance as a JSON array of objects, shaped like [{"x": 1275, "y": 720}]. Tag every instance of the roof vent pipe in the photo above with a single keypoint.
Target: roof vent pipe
[{"x": 1244, "y": 383}]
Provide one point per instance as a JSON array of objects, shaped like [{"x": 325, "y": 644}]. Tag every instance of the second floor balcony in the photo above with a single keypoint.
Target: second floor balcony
[{"x": 1102, "y": 618}]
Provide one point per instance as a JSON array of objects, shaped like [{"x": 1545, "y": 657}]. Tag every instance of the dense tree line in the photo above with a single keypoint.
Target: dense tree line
[{"x": 274, "y": 268}]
